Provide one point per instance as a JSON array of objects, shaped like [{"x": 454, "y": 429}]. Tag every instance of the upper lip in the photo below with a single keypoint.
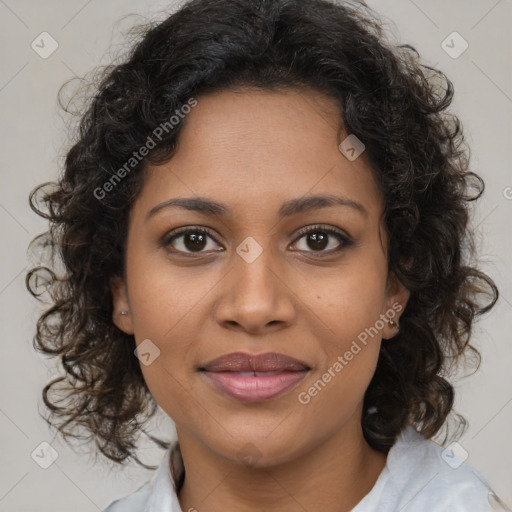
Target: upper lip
[{"x": 243, "y": 362}]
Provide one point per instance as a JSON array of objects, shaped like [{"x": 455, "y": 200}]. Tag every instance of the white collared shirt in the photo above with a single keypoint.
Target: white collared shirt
[{"x": 419, "y": 476}]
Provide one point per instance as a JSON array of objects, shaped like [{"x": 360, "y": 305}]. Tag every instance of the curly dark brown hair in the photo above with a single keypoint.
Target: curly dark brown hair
[{"x": 391, "y": 101}]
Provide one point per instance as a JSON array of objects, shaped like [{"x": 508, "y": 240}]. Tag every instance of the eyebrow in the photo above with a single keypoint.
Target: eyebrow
[{"x": 287, "y": 209}]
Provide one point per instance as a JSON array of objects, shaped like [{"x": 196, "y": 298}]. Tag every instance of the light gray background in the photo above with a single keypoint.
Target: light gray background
[{"x": 33, "y": 131}]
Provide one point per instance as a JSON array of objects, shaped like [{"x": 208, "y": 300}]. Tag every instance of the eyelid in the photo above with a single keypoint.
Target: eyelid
[
  {"x": 319, "y": 227},
  {"x": 166, "y": 239},
  {"x": 345, "y": 240}
]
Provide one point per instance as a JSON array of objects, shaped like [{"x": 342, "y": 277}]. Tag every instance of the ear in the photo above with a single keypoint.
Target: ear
[
  {"x": 120, "y": 303},
  {"x": 397, "y": 296}
]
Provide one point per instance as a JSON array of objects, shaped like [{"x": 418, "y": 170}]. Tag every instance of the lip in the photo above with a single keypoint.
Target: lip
[
  {"x": 251, "y": 387},
  {"x": 244, "y": 362},
  {"x": 254, "y": 378}
]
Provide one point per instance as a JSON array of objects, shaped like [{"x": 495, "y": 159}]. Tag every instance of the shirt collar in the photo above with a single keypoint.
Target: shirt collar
[{"x": 166, "y": 482}]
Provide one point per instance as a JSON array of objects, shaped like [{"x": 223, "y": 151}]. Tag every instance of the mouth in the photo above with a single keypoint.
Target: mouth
[
  {"x": 255, "y": 378},
  {"x": 255, "y": 386}
]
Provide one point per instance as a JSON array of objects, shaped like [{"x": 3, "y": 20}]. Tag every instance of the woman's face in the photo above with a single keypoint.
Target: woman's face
[{"x": 253, "y": 283}]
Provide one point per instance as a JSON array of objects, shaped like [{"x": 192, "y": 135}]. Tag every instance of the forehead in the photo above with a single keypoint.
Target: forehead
[{"x": 256, "y": 149}]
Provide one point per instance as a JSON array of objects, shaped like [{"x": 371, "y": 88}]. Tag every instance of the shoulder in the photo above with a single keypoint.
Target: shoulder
[
  {"x": 159, "y": 493},
  {"x": 134, "y": 502},
  {"x": 422, "y": 476},
  {"x": 430, "y": 477}
]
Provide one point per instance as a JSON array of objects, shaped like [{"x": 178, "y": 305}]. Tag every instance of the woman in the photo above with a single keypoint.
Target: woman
[{"x": 264, "y": 229}]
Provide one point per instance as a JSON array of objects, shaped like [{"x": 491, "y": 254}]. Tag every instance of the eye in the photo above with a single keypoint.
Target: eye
[
  {"x": 318, "y": 238},
  {"x": 190, "y": 240},
  {"x": 194, "y": 240}
]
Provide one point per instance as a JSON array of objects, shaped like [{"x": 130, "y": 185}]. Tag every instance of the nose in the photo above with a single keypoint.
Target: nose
[{"x": 256, "y": 297}]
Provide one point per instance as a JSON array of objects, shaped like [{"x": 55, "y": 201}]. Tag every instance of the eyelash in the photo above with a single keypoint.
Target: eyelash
[{"x": 342, "y": 238}]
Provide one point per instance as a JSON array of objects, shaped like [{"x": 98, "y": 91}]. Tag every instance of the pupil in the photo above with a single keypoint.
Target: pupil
[
  {"x": 316, "y": 241},
  {"x": 198, "y": 241},
  {"x": 318, "y": 238}
]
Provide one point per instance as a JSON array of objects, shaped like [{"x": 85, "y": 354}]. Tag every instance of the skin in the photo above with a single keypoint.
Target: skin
[{"x": 253, "y": 150}]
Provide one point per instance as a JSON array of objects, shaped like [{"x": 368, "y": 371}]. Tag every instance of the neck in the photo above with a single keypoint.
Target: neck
[{"x": 333, "y": 477}]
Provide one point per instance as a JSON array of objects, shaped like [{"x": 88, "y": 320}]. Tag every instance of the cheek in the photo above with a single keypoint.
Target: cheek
[
  {"x": 171, "y": 320},
  {"x": 350, "y": 355},
  {"x": 351, "y": 298},
  {"x": 162, "y": 296},
  {"x": 167, "y": 308},
  {"x": 168, "y": 377},
  {"x": 351, "y": 308}
]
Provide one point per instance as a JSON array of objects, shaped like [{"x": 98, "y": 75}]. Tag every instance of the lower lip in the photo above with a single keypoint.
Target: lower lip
[{"x": 254, "y": 388}]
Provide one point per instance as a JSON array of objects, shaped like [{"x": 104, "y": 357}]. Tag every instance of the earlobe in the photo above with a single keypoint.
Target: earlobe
[
  {"x": 121, "y": 314},
  {"x": 397, "y": 298}
]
